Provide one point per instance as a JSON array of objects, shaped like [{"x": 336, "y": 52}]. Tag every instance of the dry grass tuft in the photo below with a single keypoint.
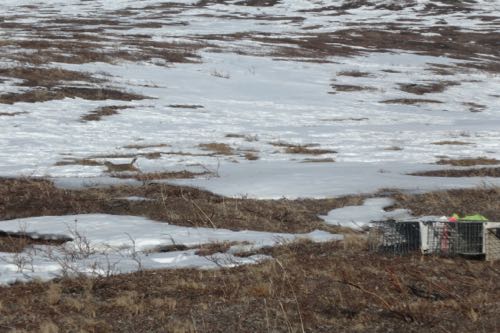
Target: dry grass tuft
[
  {"x": 469, "y": 161},
  {"x": 12, "y": 114},
  {"x": 485, "y": 201},
  {"x": 152, "y": 145},
  {"x": 411, "y": 101},
  {"x": 308, "y": 151},
  {"x": 57, "y": 93},
  {"x": 177, "y": 205},
  {"x": 351, "y": 88},
  {"x": 251, "y": 156},
  {"x": 471, "y": 172},
  {"x": 354, "y": 74},
  {"x": 150, "y": 176},
  {"x": 45, "y": 76},
  {"x": 421, "y": 89},
  {"x": 318, "y": 160},
  {"x": 329, "y": 287},
  {"x": 452, "y": 143},
  {"x": 217, "y": 148},
  {"x": 104, "y": 111}
]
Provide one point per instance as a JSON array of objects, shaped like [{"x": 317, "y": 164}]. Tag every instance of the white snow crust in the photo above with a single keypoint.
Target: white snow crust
[{"x": 101, "y": 244}]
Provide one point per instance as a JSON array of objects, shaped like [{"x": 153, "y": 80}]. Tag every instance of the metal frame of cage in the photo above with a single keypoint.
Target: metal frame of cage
[{"x": 462, "y": 238}]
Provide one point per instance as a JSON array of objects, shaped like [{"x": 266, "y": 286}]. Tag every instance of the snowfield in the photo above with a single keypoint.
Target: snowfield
[{"x": 290, "y": 98}]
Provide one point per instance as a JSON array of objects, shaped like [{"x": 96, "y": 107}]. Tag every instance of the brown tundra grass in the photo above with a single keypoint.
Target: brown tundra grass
[{"x": 308, "y": 287}]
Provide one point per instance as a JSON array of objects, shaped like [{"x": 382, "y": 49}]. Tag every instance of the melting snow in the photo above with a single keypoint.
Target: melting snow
[{"x": 109, "y": 244}]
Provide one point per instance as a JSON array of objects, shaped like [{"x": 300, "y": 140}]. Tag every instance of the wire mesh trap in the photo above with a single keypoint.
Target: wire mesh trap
[{"x": 472, "y": 239}]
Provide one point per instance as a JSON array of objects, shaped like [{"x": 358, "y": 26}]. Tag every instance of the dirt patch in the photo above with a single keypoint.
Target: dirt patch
[
  {"x": 472, "y": 172},
  {"x": 101, "y": 112},
  {"x": 469, "y": 161},
  {"x": 57, "y": 93},
  {"x": 217, "y": 148},
  {"x": 411, "y": 101}
]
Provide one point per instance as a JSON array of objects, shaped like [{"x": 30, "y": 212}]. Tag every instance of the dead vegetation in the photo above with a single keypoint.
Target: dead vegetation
[
  {"x": 484, "y": 201},
  {"x": 451, "y": 143},
  {"x": 101, "y": 112},
  {"x": 470, "y": 172},
  {"x": 46, "y": 76},
  {"x": 177, "y": 205},
  {"x": 427, "y": 88},
  {"x": 151, "y": 176},
  {"x": 474, "y": 107},
  {"x": 411, "y": 101},
  {"x": 469, "y": 161},
  {"x": 217, "y": 148},
  {"x": 329, "y": 287},
  {"x": 306, "y": 149},
  {"x": 354, "y": 74},
  {"x": 318, "y": 160},
  {"x": 309, "y": 287},
  {"x": 12, "y": 114},
  {"x": 57, "y": 93},
  {"x": 351, "y": 88},
  {"x": 17, "y": 243}
]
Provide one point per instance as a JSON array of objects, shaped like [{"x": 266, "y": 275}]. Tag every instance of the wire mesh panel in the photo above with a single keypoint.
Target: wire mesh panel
[
  {"x": 492, "y": 240},
  {"x": 456, "y": 238},
  {"x": 394, "y": 237}
]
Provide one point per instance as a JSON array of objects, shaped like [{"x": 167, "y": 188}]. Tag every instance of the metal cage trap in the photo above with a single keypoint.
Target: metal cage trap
[{"x": 472, "y": 239}]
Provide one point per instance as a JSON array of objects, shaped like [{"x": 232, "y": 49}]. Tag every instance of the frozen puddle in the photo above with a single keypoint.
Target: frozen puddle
[
  {"x": 110, "y": 244},
  {"x": 357, "y": 217}
]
